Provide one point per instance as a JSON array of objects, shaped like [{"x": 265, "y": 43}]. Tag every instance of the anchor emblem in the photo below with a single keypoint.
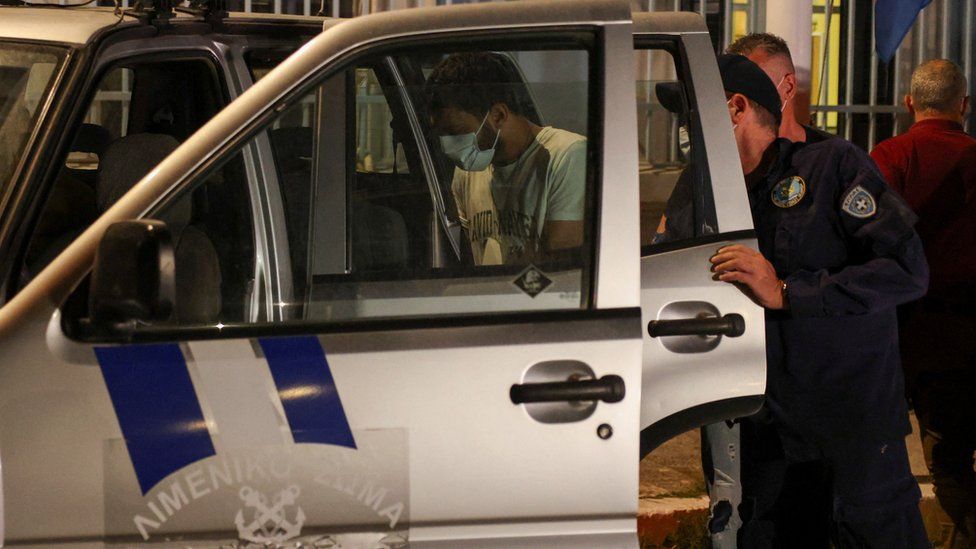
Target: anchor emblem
[{"x": 269, "y": 524}]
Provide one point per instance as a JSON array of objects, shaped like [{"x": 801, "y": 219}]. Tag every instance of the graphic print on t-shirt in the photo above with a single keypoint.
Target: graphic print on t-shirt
[{"x": 504, "y": 208}]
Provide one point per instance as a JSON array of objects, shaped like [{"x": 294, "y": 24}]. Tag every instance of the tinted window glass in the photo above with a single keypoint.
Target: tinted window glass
[
  {"x": 26, "y": 72},
  {"x": 672, "y": 170},
  {"x": 138, "y": 113}
]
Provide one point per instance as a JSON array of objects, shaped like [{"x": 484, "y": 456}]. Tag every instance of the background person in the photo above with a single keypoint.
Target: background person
[
  {"x": 772, "y": 54},
  {"x": 837, "y": 253},
  {"x": 519, "y": 187},
  {"x": 933, "y": 166}
]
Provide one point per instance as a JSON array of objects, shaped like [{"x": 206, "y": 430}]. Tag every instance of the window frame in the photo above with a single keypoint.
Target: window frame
[
  {"x": 705, "y": 216},
  {"x": 584, "y": 37},
  {"x": 581, "y": 39},
  {"x": 19, "y": 200},
  {"x": 89, "y": 81}
]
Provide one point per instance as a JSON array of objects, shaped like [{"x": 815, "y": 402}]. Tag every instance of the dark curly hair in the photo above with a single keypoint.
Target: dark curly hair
[{"x": 474, "y": 81}]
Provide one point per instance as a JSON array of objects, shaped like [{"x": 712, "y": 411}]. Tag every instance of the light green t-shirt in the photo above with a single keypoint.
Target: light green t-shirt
[{"x": 503, "y": 209}]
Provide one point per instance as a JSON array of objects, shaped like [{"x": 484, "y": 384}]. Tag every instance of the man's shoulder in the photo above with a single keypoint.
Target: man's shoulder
[
  {"x": 557, "y": 140},
  {"x": 835, "y": 164},
  {"x": 832, "y": 149},
  {"x": 895, "y": 143},
  {"x": 464, "y": 180},
  {"x": 816, "y": 135}
]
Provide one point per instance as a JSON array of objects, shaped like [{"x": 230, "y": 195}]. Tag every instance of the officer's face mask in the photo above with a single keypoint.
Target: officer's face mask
[
  {"x": 734, "y": 126},
  {"x": 464, "y": 151},
  {"x": 783, "y": 101}
]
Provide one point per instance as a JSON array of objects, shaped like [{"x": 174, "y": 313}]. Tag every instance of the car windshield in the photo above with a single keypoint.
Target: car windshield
[{"x": 26, "y": 74}]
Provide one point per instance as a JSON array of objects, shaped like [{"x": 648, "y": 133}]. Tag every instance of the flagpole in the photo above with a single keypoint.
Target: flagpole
[
  {"x": 849, "y": 72},
  {"x": 967, "y": 49},
  {"x": 873, "y": 85}
]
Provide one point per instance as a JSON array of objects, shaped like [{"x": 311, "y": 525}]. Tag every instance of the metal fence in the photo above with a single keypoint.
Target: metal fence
[
  {"x": 871, "y": 108},
  {"x": 857, "y": 96}
]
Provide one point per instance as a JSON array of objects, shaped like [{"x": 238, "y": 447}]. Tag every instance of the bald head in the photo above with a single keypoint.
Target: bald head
[{"x": 938, "y": 88}]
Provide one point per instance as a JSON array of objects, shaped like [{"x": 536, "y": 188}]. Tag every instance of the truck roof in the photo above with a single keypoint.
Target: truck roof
[
  {"x": 77, "y": 25},
  {"x": 55, "y": 24}
]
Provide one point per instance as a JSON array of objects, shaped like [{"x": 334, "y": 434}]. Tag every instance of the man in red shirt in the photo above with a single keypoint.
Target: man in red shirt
[{"x": 933, "y": 166}]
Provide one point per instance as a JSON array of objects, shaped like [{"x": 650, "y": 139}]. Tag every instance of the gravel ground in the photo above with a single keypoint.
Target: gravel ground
[{"x": 674, "y": 469}]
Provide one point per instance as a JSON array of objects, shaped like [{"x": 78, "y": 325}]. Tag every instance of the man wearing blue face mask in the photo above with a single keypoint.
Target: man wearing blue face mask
[{"x": 519, "y": 187}]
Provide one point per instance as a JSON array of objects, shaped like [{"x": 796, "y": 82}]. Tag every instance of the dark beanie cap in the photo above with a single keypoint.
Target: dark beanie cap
[{"x": 740, "y": 75}]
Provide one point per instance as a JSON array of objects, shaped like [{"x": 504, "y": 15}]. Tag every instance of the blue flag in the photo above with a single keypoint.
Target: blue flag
[{"x": 892, "y": 19}]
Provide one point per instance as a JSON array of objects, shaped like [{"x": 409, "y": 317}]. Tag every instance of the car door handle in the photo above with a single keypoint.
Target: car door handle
[
  {"x": 731, "y": 325},
  {"x": 608, "y": 389}
]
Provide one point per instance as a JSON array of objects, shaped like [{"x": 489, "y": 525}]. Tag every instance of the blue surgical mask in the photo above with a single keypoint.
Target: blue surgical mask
[{"x": 464, "y": 151}]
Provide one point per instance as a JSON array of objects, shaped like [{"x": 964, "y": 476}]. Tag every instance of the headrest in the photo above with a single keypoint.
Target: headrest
[
  {"x": 91, "y": 139},
  {"x": 671, "y": 95},
  {"x": 126, "y": 161},
  {"x": 292, "y": 148}
]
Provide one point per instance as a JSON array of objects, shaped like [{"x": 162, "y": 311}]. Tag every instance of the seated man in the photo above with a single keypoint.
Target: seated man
[{"x": 519, "y": 187}]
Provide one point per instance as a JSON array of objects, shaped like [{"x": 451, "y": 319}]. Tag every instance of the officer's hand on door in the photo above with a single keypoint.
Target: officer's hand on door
[{"x": 751, "y": 272}]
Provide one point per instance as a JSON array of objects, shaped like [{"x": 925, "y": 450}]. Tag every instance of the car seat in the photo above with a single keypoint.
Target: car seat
[
  {"x": 70, "y": 206},
  {"x": 126, "y": 161},
  {"x": 378, "y": 233}
]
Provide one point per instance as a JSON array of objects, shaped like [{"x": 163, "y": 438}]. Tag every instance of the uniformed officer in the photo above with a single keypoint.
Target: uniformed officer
[
  {"x": 837, "y": 253},
  {"x": 722, "y": 442}
]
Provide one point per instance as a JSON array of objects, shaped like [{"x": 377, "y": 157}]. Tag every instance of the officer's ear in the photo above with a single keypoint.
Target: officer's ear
[
  {"x": 910, "y": 104},
  {"x": 789, "y": 87},
  {"x": 965, "y": 106},
  {"x": 737, "y": 107}
]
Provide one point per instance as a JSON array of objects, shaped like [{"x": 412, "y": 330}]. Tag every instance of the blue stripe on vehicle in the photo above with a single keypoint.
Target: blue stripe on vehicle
[
  {"x": 157, "y": 409},
  {"x": 307, "y": 390}
]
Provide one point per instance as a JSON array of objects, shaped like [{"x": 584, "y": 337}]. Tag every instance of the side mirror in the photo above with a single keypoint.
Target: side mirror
[{"x": 133, "y": 278}]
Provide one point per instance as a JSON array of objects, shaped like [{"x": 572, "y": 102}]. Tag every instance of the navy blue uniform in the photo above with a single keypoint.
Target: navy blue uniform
[
  {"x": 846, "y": 247},
  {"x": 834, "y": 368}
]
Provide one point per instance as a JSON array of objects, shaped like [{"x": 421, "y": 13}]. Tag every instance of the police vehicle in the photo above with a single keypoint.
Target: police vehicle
[{"x": 260, "y": 326}]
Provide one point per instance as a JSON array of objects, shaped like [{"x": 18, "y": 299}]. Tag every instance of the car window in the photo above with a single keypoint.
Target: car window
[
  {"x": 523, "y": 211},
  {"x": 673, "y": 173},
  {"x": 138, "y": 112},
  {"x": 359, "y": 210},
  {"x": 378, "y": 149},
  {"x": 26, "y": 74},
  {"x": 214, "y": 249}
]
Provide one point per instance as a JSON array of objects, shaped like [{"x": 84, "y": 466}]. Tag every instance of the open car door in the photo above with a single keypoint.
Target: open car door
[{"x": 698, "y": 332}]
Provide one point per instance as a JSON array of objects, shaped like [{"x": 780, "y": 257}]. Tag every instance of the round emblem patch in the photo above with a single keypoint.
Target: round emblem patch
[{"x": 788, "y": 192}]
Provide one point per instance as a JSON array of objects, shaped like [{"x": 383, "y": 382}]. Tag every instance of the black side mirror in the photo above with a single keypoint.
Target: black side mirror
[{"x": 133, "y": 278}]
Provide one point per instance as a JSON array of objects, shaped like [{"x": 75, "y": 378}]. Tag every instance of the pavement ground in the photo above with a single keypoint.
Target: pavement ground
[{"x": 673, "y": 509}]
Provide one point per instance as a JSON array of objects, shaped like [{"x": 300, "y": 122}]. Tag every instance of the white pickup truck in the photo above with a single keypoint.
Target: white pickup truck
[{"x": 259, "y": 323}]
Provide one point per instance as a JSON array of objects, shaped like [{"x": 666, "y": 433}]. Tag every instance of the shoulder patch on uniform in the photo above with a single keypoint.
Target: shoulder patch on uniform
[
  {"x": 859, "y": 203},
  {"x": 788, "y": 192}
]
